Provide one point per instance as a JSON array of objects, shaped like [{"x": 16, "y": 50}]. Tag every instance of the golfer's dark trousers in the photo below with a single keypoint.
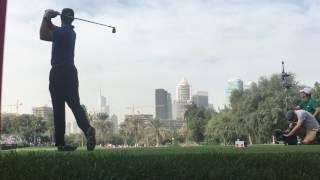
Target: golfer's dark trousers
[{"x": 64, "y": 87}]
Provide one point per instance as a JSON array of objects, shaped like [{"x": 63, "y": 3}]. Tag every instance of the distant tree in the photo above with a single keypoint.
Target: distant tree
[
  {"x": 155, "y": 130},
  {"x": 104, "y": 131},
  {"x": 221, "y": 129},
  {"x": 155, "y": 125},
  {"x": 182, "y": 133},
  {"x": 125, "y": 131},
  {"x": 137, "y": 127},
  {"x": 27, "y": 126},
  {"x": 116, "y": 139},
  {"x": 50, "y": 127},
  {"x": 316, "y": 91},
  {"x": 8, "y": 124},
  {"x": 196, "y": 121},
  {"x": 254, "y": 112},
  {"x": 102, "y": 116},
  {"x": 132, "y": 129}
]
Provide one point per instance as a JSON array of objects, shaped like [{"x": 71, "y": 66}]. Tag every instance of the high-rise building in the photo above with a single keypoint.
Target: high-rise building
[
  {"x": 163, "y": 104},
  {"x": 210, "y": 107},
  {"x": 201, "y": 99},
  {"x": 248, "y": 85},
  {"x": 45, "y": 112},
  {"x": 233, "y": 84},
  {"x": 114, "y": 120},
  {"x": 103, "y": 107},
  {"x": 169, "y": 106},
  {"x": 183, "y": 93}
]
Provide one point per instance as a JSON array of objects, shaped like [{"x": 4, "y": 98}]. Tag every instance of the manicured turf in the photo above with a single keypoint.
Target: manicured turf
[{"x": 203, "y": 162}]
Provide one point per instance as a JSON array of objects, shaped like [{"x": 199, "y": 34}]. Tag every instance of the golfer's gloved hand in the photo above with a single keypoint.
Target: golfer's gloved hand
[
  {"x": 286, "y": 135},
  {"x": 49, "y": 13}
]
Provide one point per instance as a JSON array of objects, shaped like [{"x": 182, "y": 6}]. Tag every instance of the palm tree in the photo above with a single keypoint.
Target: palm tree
[
  {"x": 136, "y": 125},
  {"x": 104, "y": 130},
  {"x": 157, "y": 129},
  {"x": 124, "y": 131}
]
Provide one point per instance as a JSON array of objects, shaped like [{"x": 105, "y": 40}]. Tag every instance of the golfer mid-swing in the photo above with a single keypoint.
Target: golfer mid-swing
[{"x": 64, "y": 85}]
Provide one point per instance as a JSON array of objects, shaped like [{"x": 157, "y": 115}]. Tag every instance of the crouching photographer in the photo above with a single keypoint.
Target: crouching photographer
[
  {"x": 302, "y": 124},
  {"x": 280, "y": 135}
]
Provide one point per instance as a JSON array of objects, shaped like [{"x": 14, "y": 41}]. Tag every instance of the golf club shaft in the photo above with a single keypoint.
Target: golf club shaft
[
  {"x": 94, "y": 22},
  {"x": 89, "y": 21}
]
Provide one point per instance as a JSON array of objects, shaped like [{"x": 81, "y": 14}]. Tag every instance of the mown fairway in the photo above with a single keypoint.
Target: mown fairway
[{"x": 203, "y": 162}]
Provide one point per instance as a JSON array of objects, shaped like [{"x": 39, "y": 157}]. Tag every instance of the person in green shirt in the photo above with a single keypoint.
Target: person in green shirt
[{"x": 308, "y": 103}]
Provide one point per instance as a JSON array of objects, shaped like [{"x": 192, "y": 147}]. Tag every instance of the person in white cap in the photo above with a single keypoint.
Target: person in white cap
[{"x": 308, "y": 103}]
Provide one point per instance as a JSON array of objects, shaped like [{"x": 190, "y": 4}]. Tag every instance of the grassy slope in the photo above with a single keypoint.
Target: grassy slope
[{"x": 206, "y": 162}]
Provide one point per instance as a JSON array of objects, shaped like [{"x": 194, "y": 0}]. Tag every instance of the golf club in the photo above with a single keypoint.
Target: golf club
[{"x": 113, "y": 28}]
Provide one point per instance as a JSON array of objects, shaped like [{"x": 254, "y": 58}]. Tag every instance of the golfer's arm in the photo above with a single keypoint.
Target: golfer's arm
[
  {"x": 316, "y": 112},
  {"x": 296, "y": 127},
  {"x": 289, "y": 127},
  {"x": 46, "y": 29}
]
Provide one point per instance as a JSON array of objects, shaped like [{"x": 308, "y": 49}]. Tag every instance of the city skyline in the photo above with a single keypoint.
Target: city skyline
[
  {"x": 159, "y": 42},
  {"x": 104, "y": 107}
]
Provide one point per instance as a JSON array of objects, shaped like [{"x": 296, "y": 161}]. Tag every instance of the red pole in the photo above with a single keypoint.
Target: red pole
[{"x": 3, "y": 9}]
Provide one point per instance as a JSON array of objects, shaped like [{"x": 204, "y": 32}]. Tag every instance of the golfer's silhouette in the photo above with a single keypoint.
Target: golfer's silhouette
[{"x": 64, "y": 84}]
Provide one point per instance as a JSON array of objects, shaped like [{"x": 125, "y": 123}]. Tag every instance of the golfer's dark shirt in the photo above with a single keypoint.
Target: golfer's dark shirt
[{"x": 63, "y": 42}]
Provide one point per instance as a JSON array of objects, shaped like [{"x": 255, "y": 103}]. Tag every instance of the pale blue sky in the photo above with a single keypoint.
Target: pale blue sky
[{"x": 159, "y": 42}]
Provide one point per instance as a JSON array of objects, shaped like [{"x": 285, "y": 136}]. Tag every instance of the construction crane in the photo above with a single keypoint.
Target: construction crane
[
  {"x": 15, "y": 106},
  {"x": 133, "y": 108}
]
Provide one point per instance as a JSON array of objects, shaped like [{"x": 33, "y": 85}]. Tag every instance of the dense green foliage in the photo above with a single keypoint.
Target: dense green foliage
[
  {"x": 28, "y": 127},
  {"x": 203, "y": 162},
  {"x": 196, "y": 121},
  {"x": 136, "y": 131},
  {"x": 254, "y": 113}
]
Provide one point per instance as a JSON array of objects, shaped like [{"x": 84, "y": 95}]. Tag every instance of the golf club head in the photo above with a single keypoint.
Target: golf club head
[{"x": 113, "y": 30}]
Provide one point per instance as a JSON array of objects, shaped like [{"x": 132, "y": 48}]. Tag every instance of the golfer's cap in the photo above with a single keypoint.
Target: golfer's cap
[
  {"x": 306, "y": 90},
  {"x": 67, "y": 12}
]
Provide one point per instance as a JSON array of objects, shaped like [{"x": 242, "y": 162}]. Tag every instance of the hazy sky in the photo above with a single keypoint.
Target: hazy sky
[{"x": 160, "y": 41}]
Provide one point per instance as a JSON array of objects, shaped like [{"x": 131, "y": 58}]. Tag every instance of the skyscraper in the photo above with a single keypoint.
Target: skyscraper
[
  {"x": 163, "y": 104},
  {"x": 114, "y": 120},
  {"x": 183, "y": 93},
  {"x": 169, "y": 106},
  {"x": 201, "y": 99},
  {"x": 233, "y": 84},
  {"x": 103, "y": 107}
]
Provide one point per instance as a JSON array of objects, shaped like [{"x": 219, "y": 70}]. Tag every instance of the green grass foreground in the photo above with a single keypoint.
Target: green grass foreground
[{"x": 203, "y": 162}]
